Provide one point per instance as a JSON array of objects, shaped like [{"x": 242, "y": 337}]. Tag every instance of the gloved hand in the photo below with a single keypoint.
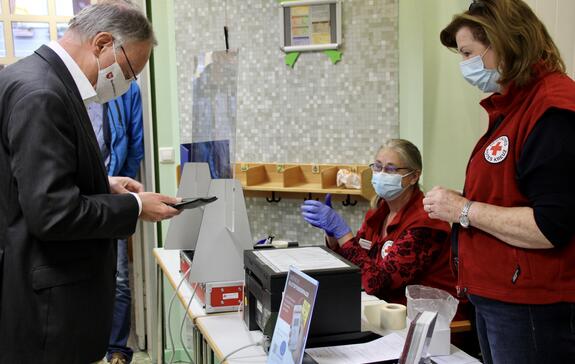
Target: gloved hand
[{"x": 324, "y": 217}]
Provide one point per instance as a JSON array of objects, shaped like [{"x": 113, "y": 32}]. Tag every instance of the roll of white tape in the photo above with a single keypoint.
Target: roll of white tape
[
  {"x": 392, "y": 316},
  {"x": 371, "y": 311}
]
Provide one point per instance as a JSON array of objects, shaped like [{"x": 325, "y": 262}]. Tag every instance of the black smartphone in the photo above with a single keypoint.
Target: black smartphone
[{"x": 192, "y": 203}]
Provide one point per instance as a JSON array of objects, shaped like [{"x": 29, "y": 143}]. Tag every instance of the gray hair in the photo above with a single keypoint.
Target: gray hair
[
  {"x": 409, "y": 155},
  {"x": 124, "y": 20},
  {"x": 407, "y": 151}
]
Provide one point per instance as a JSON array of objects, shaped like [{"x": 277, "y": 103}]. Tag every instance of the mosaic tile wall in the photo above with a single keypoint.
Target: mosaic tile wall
[{"x": 316, "y": 112}]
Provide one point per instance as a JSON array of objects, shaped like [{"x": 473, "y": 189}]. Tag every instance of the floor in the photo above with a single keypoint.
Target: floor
[{"x": 140, "y": 357}]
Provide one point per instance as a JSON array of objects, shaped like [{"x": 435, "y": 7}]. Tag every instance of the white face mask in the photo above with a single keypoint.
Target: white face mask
[
  {"x": 111, "y": 81},
  {"x": 475, "y": 73},
  {"x": 388, "y": 186}
]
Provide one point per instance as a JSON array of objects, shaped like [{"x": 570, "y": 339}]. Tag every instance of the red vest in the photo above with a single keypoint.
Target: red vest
[{"x": 489, "y": 267}]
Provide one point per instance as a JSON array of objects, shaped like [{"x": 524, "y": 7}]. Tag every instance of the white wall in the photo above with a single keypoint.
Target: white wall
[
  {"x": 439, "y": 111},
  {"x": 559, "y": 17}
]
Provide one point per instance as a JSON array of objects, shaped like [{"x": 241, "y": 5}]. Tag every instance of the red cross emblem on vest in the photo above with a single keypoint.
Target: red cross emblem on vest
[
  {"x": 386, "y": 248},
  {"x": 497, "y": 150}
]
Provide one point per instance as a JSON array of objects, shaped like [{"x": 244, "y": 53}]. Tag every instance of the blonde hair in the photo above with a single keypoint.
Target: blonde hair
[
  {"x": 409, "y": 155},
  {"x": 514, "y": 32}
]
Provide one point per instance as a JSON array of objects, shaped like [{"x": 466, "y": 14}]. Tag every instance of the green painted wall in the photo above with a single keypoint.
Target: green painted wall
[
  {"x": 163, "y": 67},
  {"x": 452, "y": 115},
  {"x": 439, "y": 110},
  {"x": 411, "y": 72}
]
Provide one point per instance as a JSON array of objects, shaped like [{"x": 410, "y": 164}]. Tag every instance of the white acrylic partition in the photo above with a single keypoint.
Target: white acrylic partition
[
  {"x": 184, "y": 229},
  {"x": 224, "y": 235},
  {"x": 221, "y": 233}
]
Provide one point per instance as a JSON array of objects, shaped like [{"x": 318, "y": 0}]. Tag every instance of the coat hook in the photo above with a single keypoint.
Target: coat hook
[
  {"x": 226, "y": 37},
  {"x": 273, "y": 199},
  {"x": 309, "y": 197},
  {"x": 347, "y": 201}
]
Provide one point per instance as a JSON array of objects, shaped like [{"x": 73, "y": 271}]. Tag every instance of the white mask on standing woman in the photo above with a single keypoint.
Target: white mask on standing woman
[
  {"x": 475, "y": 73},
  {"x": 111, "y": 81}
]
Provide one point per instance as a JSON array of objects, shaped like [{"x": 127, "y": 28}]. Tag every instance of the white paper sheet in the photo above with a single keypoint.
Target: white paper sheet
[
  {"x": 386, "y": 348},
  {"x": 458, "y": 357},
  {"x": 302, "y": 258}
]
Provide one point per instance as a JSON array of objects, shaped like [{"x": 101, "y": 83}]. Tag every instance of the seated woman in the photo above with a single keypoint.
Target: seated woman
[{"x": 398, "y": 244}]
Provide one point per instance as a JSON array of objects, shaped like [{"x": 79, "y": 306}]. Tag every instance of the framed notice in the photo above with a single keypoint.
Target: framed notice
[{"x": 310, "y": 25}]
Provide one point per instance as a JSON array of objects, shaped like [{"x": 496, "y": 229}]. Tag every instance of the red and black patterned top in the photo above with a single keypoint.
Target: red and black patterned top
[{"x": 415, "y": 250}]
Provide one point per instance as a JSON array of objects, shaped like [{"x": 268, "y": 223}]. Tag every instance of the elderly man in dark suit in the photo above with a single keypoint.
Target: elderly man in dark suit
[{"x": 59, "y": 212}]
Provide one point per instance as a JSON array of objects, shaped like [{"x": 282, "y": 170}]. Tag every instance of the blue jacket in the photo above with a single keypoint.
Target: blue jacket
[{"x": 124, "y": 116}]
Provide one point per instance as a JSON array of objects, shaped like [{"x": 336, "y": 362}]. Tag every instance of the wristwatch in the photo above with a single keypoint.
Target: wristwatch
[{"x": 463, "y": 218}]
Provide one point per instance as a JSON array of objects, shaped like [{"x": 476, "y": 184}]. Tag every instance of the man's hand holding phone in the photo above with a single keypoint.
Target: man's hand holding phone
[{"x": 156, "y": 207}]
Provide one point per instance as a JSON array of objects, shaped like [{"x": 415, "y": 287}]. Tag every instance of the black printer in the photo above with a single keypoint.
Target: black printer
[{"x": 337, "y": 308}]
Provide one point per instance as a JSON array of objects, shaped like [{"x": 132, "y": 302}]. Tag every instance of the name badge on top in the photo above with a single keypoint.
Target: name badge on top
[{"x": 365, "y": 244}]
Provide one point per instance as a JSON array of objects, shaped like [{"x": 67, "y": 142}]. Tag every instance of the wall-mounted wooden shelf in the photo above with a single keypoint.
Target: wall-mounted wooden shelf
[{"x": 300, "y": 178}]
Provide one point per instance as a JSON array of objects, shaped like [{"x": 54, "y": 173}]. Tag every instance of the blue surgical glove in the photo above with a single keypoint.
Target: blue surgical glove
[{"x": 324, "y": 217}]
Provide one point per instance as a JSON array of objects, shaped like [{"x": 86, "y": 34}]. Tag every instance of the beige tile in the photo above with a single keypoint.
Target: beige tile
[{"x": 141, "y": 358}]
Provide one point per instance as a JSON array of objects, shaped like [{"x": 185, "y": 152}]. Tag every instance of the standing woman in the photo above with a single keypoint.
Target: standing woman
[{"x": 513, "y": 237}]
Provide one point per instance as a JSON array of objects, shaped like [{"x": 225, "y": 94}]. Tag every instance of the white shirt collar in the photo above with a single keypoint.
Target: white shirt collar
[{"x": 84, "y": 86}]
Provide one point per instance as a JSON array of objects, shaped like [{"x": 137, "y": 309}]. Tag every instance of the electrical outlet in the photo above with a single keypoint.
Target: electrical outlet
[{"x": 166, "y": 155}]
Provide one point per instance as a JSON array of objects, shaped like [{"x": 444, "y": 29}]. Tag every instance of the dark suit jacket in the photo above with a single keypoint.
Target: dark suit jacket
[{"x": 57, "y": 220}]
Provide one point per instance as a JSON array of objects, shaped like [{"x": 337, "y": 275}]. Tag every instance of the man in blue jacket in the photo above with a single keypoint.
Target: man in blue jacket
[{"x": 119, "y": 129}]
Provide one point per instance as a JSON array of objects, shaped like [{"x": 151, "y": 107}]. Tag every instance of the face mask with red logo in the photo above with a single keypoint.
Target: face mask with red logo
[{"x": 111, "y": 81}]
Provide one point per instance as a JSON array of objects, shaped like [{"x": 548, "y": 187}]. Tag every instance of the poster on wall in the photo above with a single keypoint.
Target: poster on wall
[
  {"x": 292, "y": 326},
  {"x": 310, "y": 25}
]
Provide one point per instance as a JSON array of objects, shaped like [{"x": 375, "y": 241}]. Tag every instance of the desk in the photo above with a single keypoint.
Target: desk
[
  {"x": 216, "y": 335},
  {"x": 168, "y": 263},
  {"x": 226, "y": 333}
]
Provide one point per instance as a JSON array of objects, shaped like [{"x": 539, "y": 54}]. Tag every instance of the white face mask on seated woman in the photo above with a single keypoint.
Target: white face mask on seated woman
[{"x": 388, "y": 186}]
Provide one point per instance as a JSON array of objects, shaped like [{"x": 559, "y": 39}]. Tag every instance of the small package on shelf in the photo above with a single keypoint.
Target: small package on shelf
[{"x": 348, "y": 179}]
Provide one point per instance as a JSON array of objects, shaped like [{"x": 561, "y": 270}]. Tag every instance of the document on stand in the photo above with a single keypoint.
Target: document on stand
[
  {"x": 302, "y": 258},
  {"x": 386, "y": 348}
]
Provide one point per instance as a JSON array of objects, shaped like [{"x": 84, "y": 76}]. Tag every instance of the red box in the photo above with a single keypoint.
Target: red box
[
  {"x": 221, "y": 296},
  {"x": 214, "y": 296}
]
